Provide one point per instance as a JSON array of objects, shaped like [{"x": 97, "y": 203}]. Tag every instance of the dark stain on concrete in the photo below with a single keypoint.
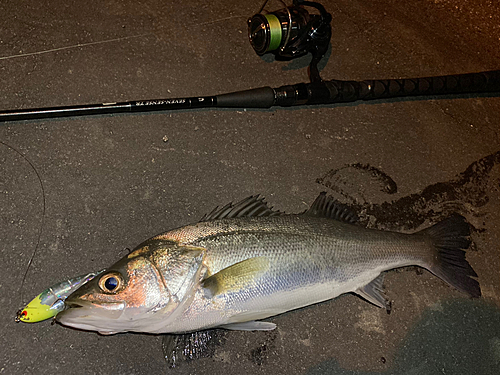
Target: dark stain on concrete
[
  {"x": 464, "y": 195},
  {"x": 261, "y": 353},
  {"x": 191, "y": 346},
  {"x": 376, "y": 179}
]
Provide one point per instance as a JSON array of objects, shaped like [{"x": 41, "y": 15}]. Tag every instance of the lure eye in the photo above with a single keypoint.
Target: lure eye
[{"x": 111, "y": 283}]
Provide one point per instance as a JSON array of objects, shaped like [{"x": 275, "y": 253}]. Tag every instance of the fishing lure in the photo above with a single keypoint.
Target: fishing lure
[{"x": 51, "y": 301}]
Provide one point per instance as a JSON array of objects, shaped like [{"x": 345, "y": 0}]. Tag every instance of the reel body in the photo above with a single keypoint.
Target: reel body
[{"x": 292, "y": 32}]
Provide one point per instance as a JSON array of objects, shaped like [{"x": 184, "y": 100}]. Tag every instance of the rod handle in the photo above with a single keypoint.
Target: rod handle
[
  {"x": 262, "y": 97},
  {"x": 337, "y": 91}
]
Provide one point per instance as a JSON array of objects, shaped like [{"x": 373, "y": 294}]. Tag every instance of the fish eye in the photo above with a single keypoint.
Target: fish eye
[{"x": 111, "y": 282}]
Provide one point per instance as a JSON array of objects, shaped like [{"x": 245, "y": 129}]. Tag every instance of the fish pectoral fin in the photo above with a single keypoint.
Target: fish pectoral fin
[
  {"x": 373, "y": 292},
  {"x": 250, "y": 326},
  {"x": 236, "y": 277}
]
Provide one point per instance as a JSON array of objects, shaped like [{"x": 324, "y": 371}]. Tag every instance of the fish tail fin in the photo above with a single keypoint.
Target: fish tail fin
[{"x": 450, "y": 237}]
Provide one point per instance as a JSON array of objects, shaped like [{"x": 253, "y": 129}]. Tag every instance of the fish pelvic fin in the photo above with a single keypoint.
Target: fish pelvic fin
[
  {"x": 450, "y": 238},
  {"x": 236, "y": 277},
  {"x": 250, "y": 326}
]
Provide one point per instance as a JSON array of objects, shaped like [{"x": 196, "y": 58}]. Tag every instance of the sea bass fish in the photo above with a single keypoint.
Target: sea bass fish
[{"x": 246, "y": 262}]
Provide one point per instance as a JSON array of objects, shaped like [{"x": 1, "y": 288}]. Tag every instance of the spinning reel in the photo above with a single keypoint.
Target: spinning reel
[
  {"x": 288, "y": 33},
  {"x": 292, "y": 32}
]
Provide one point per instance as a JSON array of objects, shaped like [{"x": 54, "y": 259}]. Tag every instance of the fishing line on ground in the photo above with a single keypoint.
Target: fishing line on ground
[{"x": 42, "y": 221}]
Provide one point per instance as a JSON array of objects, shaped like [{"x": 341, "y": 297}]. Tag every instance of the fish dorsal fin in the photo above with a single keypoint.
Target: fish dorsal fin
[
  {"x": 326, "y": 206},
  {"x": 253, "y": 206}
]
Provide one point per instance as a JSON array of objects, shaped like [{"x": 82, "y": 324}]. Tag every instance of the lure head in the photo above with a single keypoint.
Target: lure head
[
  {"x": 37, "y": 311},
  {"x": 139, "y": 293},
  {"x": 51, "y": 301}
]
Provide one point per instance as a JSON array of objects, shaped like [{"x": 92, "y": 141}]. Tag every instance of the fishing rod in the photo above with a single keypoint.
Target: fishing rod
[
  {"x": 287, "y": 33},
  {"x": 325, "y": 92}
]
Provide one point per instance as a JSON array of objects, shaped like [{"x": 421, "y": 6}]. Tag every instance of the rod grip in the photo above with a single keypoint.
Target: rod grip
[
  {"x": 262, "y": 97},
  {"x": 337, "y": 91},
  {"x": 483, "y": 82}
]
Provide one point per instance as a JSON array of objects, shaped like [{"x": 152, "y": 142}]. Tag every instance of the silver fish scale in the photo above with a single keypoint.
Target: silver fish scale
[
  {"x": 292, "y": 239},
  {"x": 311, "y": 260}
]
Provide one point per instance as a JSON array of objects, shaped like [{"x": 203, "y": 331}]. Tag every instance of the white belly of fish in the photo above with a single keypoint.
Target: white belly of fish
[{"x": 254, "y": 304}]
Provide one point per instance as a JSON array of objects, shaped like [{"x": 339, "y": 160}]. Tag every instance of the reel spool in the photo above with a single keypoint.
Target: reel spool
[{"x": 292, "y": 32}]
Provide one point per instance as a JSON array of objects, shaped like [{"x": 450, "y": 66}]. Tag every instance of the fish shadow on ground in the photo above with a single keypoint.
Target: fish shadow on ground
[
  {"x": 356, "y": 183},
  {"x": 459, "y": 337}
]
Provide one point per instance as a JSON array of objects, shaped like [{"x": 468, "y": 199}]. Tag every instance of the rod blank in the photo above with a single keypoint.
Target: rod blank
[{"x": 324, "y": 92}]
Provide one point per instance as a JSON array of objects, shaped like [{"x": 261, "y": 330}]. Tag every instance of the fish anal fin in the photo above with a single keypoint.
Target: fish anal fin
[
  {"x": 373, "y": 292},
  {"x": 326, "y": 206},
  {"x": 250, "y": 326},
  {"x": 236, "y": 277}
]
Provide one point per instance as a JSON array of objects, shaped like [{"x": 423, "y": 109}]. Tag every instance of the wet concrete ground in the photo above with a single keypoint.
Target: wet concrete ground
[{"x": 110, "y": 182}]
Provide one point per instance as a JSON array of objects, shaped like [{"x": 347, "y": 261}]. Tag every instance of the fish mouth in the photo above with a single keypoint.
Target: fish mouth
[
  {"x": 78, "y": 303},
  {"x": 78, "y": 312},
  {"x": 73, "y": 305},
  {"x": 94, "y": 305}
]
